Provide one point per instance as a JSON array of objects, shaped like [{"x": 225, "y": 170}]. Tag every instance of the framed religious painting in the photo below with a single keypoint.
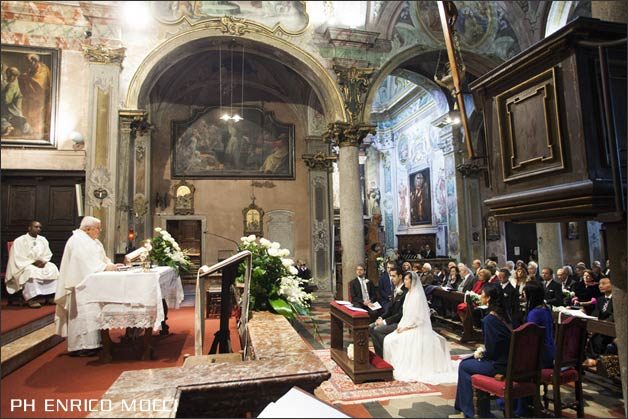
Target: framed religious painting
[
  {"x": 420, "y": 197},
  {"x": 30, "y": 84},
  {"x": 257, "y": 146}
]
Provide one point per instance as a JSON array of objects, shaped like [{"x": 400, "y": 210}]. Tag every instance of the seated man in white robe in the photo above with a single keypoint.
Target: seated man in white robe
[
  {"x": 84, "y": 254},
  {"x": 29, "y": 268}
]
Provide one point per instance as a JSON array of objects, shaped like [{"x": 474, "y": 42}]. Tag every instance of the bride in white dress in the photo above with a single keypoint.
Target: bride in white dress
[{"x": 415, "y": 351}]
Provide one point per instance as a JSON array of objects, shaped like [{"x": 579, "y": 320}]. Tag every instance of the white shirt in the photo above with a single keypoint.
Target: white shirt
[{"x": 365, "y": 292}]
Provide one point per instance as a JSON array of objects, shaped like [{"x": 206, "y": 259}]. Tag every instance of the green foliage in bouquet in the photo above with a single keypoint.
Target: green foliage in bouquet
[
  {"x": 165, "y": 251},
  {"x": 274, "y": 284}
]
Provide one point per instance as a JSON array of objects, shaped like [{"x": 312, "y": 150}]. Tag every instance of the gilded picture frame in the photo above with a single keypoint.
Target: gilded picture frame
[
  {"x": 253, "y": 220},
  {"x": 30, "y": 86}
]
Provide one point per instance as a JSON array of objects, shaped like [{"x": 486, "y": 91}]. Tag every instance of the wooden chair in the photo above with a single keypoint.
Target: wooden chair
[
  {"x": 571, "y": 338},
  {"x": 523, "y": 376}
]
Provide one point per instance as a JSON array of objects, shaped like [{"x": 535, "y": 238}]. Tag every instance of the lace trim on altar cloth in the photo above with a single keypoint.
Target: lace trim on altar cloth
[{"x": 138, "y": 317}]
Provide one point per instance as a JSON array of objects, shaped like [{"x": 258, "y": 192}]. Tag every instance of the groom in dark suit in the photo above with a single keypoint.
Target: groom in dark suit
[{"x": 388, "y": 322}]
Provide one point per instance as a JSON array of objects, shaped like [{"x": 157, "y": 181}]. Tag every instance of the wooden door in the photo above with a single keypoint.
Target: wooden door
[{"x": 46, "y": 196}]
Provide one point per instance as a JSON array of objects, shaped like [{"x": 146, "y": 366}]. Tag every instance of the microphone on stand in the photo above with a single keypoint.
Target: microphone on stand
[{"x": 223, "y": 237}]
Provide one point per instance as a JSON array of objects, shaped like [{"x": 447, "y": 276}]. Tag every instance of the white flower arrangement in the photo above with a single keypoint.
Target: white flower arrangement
[{"x": 479, "y": 352}]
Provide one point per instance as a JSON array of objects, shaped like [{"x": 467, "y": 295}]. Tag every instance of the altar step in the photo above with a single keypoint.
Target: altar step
[{"x": 22, "y": 350}]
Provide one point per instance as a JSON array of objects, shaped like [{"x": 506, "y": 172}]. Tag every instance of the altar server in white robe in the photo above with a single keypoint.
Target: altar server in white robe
[
  {"x": 84, "y": 254},
  {"x": 29, "y": 268}
]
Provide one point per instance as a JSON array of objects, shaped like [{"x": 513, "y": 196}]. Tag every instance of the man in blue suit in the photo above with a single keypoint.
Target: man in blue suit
[{"x": 386, "y": 287}]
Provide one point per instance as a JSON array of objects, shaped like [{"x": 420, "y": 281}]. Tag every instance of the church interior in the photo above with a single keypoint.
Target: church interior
[{"x": 232, "y": 165}]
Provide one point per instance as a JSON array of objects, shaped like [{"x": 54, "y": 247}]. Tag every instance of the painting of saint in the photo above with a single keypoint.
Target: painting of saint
[
  {"x": 420, "y": 198},
  {"x": 29, "y": 83}
]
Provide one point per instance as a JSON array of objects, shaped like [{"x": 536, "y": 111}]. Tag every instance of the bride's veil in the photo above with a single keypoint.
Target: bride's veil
[{"x": 416, "y": 311}]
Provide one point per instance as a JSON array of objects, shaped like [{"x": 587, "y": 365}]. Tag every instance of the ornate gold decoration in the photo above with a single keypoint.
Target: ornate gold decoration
[
  {"x": 234, "y": 26},
  {"x": 354, "y": 83},
  {"x": 103, "y": 54},
  {"x": 344, "y": 134},
  {"x": 319, "y": 161},
  {"x": 253, "y": 219},
  {"x": 140, "y": 205},
  {"x": 184, "y": 198}
]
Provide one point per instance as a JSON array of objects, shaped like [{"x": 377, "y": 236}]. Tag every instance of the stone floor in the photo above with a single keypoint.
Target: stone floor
[{"x": 603, "y": 398}]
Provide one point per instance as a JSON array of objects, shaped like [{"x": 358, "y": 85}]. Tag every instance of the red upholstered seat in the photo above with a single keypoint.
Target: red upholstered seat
[
  {"x": 571, "y": 338},
  {"x": 498, "y": 388},
  {"x": 568, "y": 376},
  {"x": 523, "y": 375},
  {"x": 377, "y": 361}
]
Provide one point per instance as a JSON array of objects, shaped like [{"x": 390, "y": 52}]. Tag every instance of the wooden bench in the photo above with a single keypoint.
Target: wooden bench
[{"x": 452, "y": 299}]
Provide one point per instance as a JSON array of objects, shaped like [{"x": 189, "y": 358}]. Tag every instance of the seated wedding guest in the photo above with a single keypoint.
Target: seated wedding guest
[
  {"x": 540, "y": 314},
  {"x": 483, "y": 276},
  {"x": 521, "y": 279},
  {"x": 438, "y": 275},
  {"x": 416, "y": 267},
  {"x": 416, "y": 352},
  {"x": 363, "y": 293},
  {"x": 427, "y": 252},
  {"x": 511, "y": 297},
  {"x": 388, "y": 321},
  {"x": 453, "y": 279},
  {"x": 476, "y": 265},
  {"x": 497, "y": 332},
  {"x": 406, "y": 267},
  {"x": 553, "y": 289},
  {"x": 29, "y": 268},
  {"x": 305, "y": 274},
  {"x": 566, "y": 282},
  {"x": 596, "y": 268},
  {"x": 533, "y": 271},
  {"x": 587, "y": 292},
  {"x": 598, "y": 343},
  {"x": 83, "y": 255},
  {"x": 468, "y": 279},
  {"x": 425, "y": 275},
  {"x": 386, "y": 286}
]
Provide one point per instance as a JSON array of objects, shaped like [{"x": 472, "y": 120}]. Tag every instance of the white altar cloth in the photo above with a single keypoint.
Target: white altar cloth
[{"x": 108, "y": 300}]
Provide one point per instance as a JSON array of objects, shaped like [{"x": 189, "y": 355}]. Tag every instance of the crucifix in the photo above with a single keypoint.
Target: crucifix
[{"x": 448, "y": 16}]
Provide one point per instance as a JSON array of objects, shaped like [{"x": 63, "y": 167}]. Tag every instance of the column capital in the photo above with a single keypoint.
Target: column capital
[
  {"x": 354, "y": 83},
  {"x": 104, "y": 55},
  {"x": 319, "y": 161},
  {"x": 344, "y": 134}
]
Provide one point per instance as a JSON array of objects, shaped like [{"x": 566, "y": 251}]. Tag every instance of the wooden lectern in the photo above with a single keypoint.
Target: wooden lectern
[{"x": 360, "y": 368}]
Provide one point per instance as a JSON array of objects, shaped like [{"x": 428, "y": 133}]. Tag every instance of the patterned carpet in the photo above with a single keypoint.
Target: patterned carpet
[{"x": 341, "y": 389}]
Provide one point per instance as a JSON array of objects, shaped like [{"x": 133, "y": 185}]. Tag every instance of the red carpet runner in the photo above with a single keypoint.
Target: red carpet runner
[{"x": 54, "y": 379}]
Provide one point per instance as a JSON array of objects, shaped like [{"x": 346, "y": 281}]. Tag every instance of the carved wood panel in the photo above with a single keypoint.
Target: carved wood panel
[{"x": 529, "y": 128}]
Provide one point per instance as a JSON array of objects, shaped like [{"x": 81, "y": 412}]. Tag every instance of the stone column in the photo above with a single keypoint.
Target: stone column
[
  {"x": 102, "y": 150},
  {"x": 348, "y": 138},
  {"x": 550, "y": 245},
  {"x": 319, "y": 162}
]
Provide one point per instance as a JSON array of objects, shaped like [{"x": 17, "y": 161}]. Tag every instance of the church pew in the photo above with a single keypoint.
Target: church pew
[{"x": 452, "y": 299}]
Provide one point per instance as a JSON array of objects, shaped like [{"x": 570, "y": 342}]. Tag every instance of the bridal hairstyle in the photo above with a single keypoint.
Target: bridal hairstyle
[
  {"x": 496, "y": 302},
  {"x": 535, "y": 295}
]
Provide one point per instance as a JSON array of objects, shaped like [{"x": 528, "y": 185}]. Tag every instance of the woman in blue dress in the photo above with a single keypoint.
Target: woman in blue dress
[{"x": 497, "y": 328}]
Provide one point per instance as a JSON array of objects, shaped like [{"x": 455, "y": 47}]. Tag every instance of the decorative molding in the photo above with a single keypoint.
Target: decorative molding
[
  {"x": 263, "y": 184},
  {"x": 140, "y": 148},
  {"x": 354, "y": 82},
  {"x": 140, "y": 205},
  {"x": 319, "y": 161},
  {"x": 344, "y": 134},
  {"x": 234, "y": 26},
  {"x": 104, "y": 55},
  {"x": 99, "y": 188},
  {"x": 320, "y": 235},
  {"x": 471, "y": 168},
  {"x": 140, "y": 125},
  {"x": 341, "y": 37}
]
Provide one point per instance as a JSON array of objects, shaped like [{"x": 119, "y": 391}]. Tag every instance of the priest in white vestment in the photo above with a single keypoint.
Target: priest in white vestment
[
  {"x": 84, "y": 254},
  {"x": 29, "y": 268}
]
